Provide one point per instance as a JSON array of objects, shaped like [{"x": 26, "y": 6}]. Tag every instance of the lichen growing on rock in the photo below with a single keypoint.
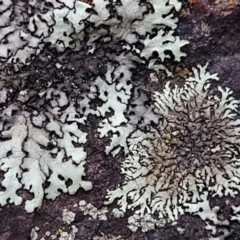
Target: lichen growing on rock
[
  {"x": 41, "y": 118},
  {"x": 27, "y": 26},
  {"x": 191, "y": 156},
  {"x": 39, "y": 153},
  {"x": 62, "y": 62}
]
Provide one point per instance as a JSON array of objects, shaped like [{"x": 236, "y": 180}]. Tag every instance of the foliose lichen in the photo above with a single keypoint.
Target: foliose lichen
[
  {"x": 42, "y": 139},
  {"x": 64, "y": 61},
  {"x": 189, "y": 157}
]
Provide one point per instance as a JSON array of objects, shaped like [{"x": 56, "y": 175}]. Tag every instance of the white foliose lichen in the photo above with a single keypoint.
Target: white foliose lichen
[
  {"x": 115, "y": 23},
  {"x": 131, "y": 26},
  {"x": 41, "y": 151},
  {"x": 191, "y": 156},
  {"x": 70, "y": 24},
  {"x": 65, "y": 24},
  {"x": 185, "y": 150},
  {"x": 112, "y": 22},
  {"x": 44, "y": 22}
]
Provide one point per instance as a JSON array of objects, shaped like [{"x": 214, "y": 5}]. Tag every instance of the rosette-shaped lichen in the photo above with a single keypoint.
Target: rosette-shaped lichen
[{"x": 191, "y": 155}]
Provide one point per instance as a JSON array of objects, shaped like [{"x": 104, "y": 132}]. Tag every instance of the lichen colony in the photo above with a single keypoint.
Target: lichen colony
[
  {"x": 188, "y": 158},
  {"x": 180, "y": 143}
]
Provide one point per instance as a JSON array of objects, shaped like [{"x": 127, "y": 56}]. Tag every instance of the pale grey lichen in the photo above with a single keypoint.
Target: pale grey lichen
[
  {"x": 179, "y": 151},
  {"x": 34, "y": 233},
  {"x": 39, "y": 154},
  {"x": 44, "y": 22},
  {"x": 189, "y": 157},
  {"x": 90, "y": 210},
  {"x": 68, "y": 216},
  {"x": 160, "y": 19},
  {"x": 65, "y": 24},
  {"x": 114, "y": 19}
]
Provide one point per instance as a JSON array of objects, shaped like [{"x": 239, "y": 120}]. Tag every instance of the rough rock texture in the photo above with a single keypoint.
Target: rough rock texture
[{"x": 212, "y": 29}]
